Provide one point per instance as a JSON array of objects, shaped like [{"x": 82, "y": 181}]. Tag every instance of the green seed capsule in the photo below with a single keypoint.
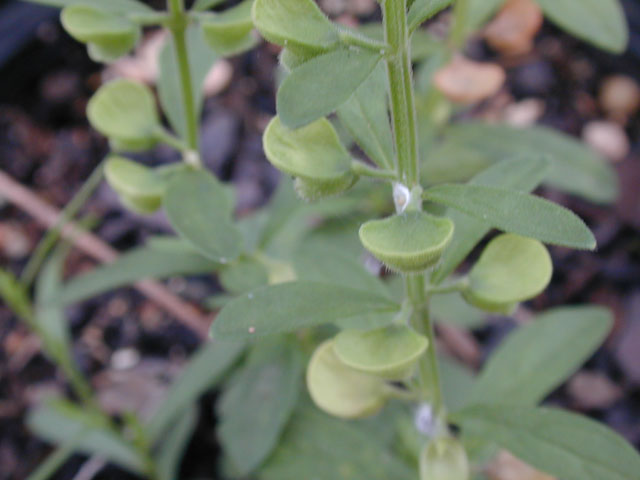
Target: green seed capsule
[
  {"x": 409, "y": 242},
  {"x": 230, "y": 32},
  {"x": 444, "y": 459},
  {"x": 340, "y": 390},
  {"x": 141, "y": 188}
]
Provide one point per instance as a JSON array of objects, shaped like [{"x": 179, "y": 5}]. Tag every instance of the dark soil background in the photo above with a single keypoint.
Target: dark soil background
[{"x": 129, "y": 346}]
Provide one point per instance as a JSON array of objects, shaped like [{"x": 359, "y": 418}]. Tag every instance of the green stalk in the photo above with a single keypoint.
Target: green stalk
[
  {"x": 403, "y": 109},
  {"x": 178, "y": 26},
  {"x": 403, "y": 113}
]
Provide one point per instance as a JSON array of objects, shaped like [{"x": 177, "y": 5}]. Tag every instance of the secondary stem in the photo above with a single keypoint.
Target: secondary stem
[
  {"x": 403, "y": 109},
  {"x": 403, "y": 114},
  {"x": 178, "y": 27}
]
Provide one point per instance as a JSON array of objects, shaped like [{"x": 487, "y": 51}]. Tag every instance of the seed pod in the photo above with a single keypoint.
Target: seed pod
[
  {"x": 140, "y": 188},
  {"x": 108, "y": 36},
  {"x": 510, "y": 270},
  {"x": 230, "y": 32},
  {"x": 444, "y": 459},
  {"x": 340, "y": 390},
  {"x": 409, "y": 242},
  {"x": 390, "y": 352}
]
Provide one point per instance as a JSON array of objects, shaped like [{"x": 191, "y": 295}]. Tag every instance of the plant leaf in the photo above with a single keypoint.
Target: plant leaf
[
  {"x": 468, "y": 148},
  {"x": 333, "y": 450},
  {"x": 516, "y": 212},
  {"x": 230, "y": 32},
  {"x": 115, "y": 6},
  {"x": 538, "y": 357},
  {"x": 600, "y": 22},
  {"x": 290, "y": 306},
  {"x": 58, "y": 420},
  {"x": 137, "y": 264},
  {"x": 366, "y": 116},
  {"x": 200, "y": 5},
  {"x": 523, "y": 173},
  {"x": 297, "y": 22},
  {"x": 457, "y": 383},
  {"x": 201, "y": 59},
  {"x": 562, "y": 444},
  {"x": 423, "y": 10},
  {"x": 258, "y": 402},
  {"x": 204, "y": 370},
  {"x": 318, "y": 87},
  {"x": 199, "y": 209},
  {"x": 174, "y": 444},
  {"x": 451, "y": 309}
]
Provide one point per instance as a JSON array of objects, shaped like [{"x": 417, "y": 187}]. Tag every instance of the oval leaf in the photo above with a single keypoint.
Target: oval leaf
[
  {"x": 342, "y": 391},
  {"x": 125, "y": 111},
  {"x": 139, "y": 184},
  {"x": 510, "y": 270},
  {"x": 318, "y": 87},
  {"x": 290, "y": 306},
  {"x": 298, "y": 22},
  {"x": 230, "y": 32},
  {"x": 199, "y": 209},
  {"x": 410, "y": 242},
  {"x": 390, "y": 352},
  {"x": 516, "y": 212}
]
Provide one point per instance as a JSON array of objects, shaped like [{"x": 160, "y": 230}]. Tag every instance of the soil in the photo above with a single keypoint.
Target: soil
[{"x": 46, "y": 144}]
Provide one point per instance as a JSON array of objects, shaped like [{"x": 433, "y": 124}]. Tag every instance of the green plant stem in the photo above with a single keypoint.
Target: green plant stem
[
  {"x": 403, "y": 112},
  {"x": 458, "y": 32},
  {"x": 49, "y": 240},
  {"x": 178, "y": 26},
  {"x": 353, "y": 38},
  {"x": 403, "y": 109},
  {"x": 365, "y": 170}
]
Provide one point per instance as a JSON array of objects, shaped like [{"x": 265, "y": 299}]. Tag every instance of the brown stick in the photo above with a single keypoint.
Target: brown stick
[{"x": 91, "y": 245}]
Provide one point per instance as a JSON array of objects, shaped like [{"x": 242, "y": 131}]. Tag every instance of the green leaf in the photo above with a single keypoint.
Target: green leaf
[
  {"x": 423, "y": 10},
  {"x": 174, "y": 444},
  {"x": 444, "y": 458},
  {"x": 333, "y": 450},
  {"x": 137, "y": 184},
  {"x": 600, "y": 22},
  {"x": 538, "y": 357},
  {"x": 108, "y": 35},
  {"x": 204, "y": 370},
  {"x": 457, "y": 383},
  {"x": 290, "y": 306},
  {"x": 510, "y": 270},
  {"x": 366, "y": 116},
  {"x": 50, "y": 319},
  {"x": 409, "y": 242},
  {"x": 201, "y": 59},
  {"x": 562, "y": 444},
  {"x": 125, "y": 111},
  {"x": 14, "y": 295},
  {"x": 230, "y": 32},
  {"x": 243, "y": 276},
  {"x": 389, "y": 352},
  {"x": 135, "y": 265},
  {"x": 257, "y": 403},
  {"x": 468, "y": 148},
  {"x": 516, "y": 212},
  {"x": 294, "y": 23},
  {"x": 200, "y": 211},
  {"x": 312, "y": 153},
  {"x": 341, "y": 390},
  {"x": 58, "y": 420},
  {"x": 200, "y": 5},
  {"x": 522, "y": 173},
  {"x": 115, "y": 6},
  {"x": 318, "y": 87}
]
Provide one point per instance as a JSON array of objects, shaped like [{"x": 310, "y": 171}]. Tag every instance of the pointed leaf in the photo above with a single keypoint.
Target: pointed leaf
[
  {"x": 538, "y": 357},
  {"x": 523, "y": 173},
  {"x": 516, "y": 212},
  {"x": 423, "y": 10},
  {"x": 562, "y": 444},
  {"x": 257, "y": 403},
  {"x": 366, "y": 116},
  {"x": 200, "y": 211},
  {"x": 318, "y": 87},
  {"x": 600, "y": 22},
  {"x": 174, "y": 444},
  {"x": 290, "y": 306}
]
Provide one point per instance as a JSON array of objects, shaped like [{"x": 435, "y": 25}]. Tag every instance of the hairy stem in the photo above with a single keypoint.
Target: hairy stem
[
  {"x": 403, "y": 113},
  {"x": 178, "y": 27}
]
